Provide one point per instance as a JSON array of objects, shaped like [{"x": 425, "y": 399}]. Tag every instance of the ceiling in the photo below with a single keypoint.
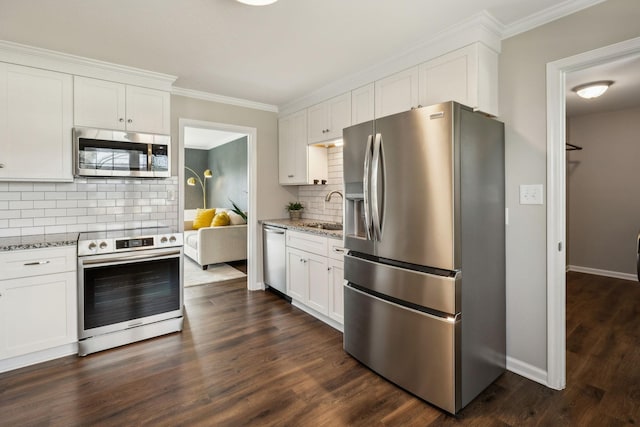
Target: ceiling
[
  {"x": 273, "y": 54},
  {"x": 206, "y": 139},
  {"x": 623, "y": 94}
]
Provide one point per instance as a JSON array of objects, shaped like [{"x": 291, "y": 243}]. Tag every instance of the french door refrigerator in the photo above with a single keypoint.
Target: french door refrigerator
[{"x": 424, "y": 302}]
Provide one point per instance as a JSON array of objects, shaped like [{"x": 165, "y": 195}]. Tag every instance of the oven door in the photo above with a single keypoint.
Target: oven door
[{"x": 125, "y": 290}]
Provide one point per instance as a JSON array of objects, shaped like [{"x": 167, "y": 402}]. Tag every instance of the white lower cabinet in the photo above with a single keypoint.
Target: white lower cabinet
[
  {"x": 315, "y": 275},
  {"x": 38, "y": 304}
]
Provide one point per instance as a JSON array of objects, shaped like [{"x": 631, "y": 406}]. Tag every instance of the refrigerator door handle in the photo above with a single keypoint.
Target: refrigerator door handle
[
  {"x": 377, "y": 166},
  {"x": 366, "y": 189}
]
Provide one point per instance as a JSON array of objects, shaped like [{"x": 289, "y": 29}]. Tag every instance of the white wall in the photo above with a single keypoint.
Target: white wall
[
  {"x": 603, "y": 207},
  {"x": 523, "y": 109},
  {"x": 312, "y": 196}
]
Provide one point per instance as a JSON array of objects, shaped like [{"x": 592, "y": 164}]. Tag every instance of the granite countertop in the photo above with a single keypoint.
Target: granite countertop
[
  {"x": 37, "y": 241},
  {"x": 304, "y": 225}
]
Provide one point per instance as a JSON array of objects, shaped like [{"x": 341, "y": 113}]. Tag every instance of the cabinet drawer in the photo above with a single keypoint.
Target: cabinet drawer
[
  {"x": 35, "y": 262},
  {"x": 336, "y": 249},
  {"x": 307, "y": 242}
]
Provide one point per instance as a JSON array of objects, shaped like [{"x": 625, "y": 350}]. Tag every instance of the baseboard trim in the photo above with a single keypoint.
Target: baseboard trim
[
  {"x": 326, "y": 319},
  {"x": 599, "y": 272},
  {"x": 526, "y": 370},
  {"x": 38, "y": 357}
]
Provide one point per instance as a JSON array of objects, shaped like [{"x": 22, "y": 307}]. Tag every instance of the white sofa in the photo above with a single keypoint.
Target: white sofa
[{"x": 213, "y": 245}]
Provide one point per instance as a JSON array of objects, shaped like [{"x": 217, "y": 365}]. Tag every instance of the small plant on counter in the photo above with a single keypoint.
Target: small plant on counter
[
  {"x": 295, "y": 210},
  {"x": 294, "y": 206}
]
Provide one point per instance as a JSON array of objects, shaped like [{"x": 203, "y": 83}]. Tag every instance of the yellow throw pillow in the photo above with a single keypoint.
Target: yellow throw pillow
[
  {"x": 203, "y": 218},
  {"x": 221, "y": 218}
]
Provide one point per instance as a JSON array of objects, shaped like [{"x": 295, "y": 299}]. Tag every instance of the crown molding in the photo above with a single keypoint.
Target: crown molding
[
  {"x": 36, "y": 57},
  {"x": 481, "y": 27},
  {"x": 547, "y": 15},
  {"x": 212, "y": 97}
]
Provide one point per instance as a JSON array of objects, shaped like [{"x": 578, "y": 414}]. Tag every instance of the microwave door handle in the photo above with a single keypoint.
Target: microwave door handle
[{"x": 366, "y": 189}]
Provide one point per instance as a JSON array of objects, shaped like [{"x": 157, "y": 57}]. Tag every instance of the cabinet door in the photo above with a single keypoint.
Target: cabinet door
[
  {"x": 35, "y": 124},
  {"x": 362, "y": 102},
  {"x": 317, "y": 123},
  {"x": 292, "y": 149},
  {"x": 338, "y": 115},
  {"x": 297, "y": 275},
  {"x": 37, "y": 313},
  {"x": 318, "y": 292},
  {"x": 99, "y": 103},
  {"x": 397, "y": 93},
  {"x": 336, "y": 295},
  {"x": 148, "y": 110}
]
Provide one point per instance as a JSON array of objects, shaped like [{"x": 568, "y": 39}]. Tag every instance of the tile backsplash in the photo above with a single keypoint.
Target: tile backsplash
[
  {"x": 87, "y": 204},
  {"x": 312, "y": 196}
]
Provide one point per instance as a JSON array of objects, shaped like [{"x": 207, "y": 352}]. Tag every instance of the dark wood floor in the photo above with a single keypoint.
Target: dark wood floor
[{"x": 250, "y": 358}]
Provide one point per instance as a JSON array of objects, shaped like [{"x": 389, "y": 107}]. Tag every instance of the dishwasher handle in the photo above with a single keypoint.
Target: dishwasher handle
[{"x": 273, "y": 230}]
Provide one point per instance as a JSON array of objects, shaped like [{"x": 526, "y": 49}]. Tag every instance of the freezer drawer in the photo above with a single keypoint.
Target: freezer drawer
[
  {"x": 415, "y": 350},
  {"x": 440, "y": 293}
]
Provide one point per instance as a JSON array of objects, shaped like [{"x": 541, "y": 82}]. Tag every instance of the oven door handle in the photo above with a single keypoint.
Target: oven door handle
[{"x": 130, "y": 258}]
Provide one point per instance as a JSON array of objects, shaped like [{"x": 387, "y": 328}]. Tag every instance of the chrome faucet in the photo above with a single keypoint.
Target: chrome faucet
[{"x": 328, "y": 198}]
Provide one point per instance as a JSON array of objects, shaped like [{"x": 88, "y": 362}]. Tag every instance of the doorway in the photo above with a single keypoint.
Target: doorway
[
  {"x": 245, "y": 190},
  {"x": 556, "y": 196}
]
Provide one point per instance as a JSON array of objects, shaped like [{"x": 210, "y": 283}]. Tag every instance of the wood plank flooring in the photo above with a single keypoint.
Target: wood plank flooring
[{"x": 250, "y": 358}]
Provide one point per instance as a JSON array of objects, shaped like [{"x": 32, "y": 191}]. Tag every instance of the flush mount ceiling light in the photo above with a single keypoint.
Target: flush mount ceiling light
[
  {"x": 593, "y": 89},
  {"x": 257, "y": 2}
]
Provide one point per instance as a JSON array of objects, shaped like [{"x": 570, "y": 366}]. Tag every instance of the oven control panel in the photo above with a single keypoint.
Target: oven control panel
[{"x": 109, "y": 245}]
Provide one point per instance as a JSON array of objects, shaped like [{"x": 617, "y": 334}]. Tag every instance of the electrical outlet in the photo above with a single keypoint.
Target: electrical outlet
[{"x": 531, "y": 194}]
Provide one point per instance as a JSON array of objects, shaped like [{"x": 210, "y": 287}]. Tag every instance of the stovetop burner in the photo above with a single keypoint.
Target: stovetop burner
[{"x": 111, "y": 241}]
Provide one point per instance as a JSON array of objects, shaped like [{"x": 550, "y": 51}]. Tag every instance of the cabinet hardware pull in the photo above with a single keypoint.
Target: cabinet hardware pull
[
  {"x": 1, "y": 165},
  {"x": 328, "y": 268},
  {"x": 129, "y": 121},
  {"x": 37, "y": 262},
  {"x": 338, "y": 250},
  {"x": 290, "y": 176},
  {"x": 121, "y": 120}
]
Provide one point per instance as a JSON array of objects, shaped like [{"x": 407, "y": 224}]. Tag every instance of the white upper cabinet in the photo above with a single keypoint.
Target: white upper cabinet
[
  {"x": 396, "y": 93},
  {"x": 110, "y": 105},
  {"x": 362, "y": 104},
  {"x": 292, "y": 148},
  {"x": 36, "y": 110},
  {"x": 327, "y": 119},
  {"x": 468, "y": 76}
]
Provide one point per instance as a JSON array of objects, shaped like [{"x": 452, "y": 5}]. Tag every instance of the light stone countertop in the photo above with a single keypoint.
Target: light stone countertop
[
  {"x": 304, "y": 226},
  {"x": 18, "y": 243}
]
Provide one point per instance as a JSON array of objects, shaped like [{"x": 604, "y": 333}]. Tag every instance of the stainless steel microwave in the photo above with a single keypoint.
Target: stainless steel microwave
[{"x": 103, "y": 152}]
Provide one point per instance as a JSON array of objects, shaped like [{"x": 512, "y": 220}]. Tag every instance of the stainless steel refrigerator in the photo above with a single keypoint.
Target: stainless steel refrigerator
[{"x": 424, "y": 305}]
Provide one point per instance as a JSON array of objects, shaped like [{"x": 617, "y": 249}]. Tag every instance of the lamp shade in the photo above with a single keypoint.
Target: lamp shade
[
  {"x": 191, "y": 181},
  {"x": 208, "y": 173}
]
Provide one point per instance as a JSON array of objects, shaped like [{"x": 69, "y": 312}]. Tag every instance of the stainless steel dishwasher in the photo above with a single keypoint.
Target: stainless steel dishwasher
[{"x": 274, "y": 258}]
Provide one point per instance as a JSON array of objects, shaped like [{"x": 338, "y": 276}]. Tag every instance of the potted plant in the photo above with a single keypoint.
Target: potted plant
[{"x": 295, "y": 210}]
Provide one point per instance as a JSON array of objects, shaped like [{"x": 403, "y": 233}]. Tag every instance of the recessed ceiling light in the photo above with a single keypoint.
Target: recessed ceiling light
[
  {"x": 257, "y": 2},
  {"x": 593, "y": 89}
]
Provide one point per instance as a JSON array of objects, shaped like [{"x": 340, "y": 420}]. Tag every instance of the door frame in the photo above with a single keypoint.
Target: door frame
[
  {"x": 556, "y": 197},
  {"x": 252, "y": 179}
]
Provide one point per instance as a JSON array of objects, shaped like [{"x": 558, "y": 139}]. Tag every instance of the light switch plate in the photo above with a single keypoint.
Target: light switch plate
[{"x": 531, "y": 194}]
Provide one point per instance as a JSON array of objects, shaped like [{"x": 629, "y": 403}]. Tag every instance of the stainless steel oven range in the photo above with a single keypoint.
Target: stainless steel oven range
[{"x": 129, "y": 287}]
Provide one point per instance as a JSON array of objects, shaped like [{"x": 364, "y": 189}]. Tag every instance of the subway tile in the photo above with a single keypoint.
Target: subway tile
[
  {"x": 32, "y": 195},
  {"x": 9, "y": 232},
  {"x": 55, "y": 195},
  {"x": 96, "y": 211},
  {"x": 44, "y": 221},
  {"x": 106, "y": 218},
  {"x": 66, "y": 203},
  {"x": 115, "y": 226},
  {"x": 4, "y": 204},
  {"x": 55, "y": 212},
  {"x": 21, "y": 222},
  {"x": 64, "y": 220},
  {"x": 77, "y": 211},
  {"x": 67, "y": 187},
  {"x": 96, "y": 227},
  {"x": 106, "y": 187},
  {"x": 4, "y": 223},
  {"x": 21, "y": 204},
  {"x": 98, "y": 195},
  {"x": 106, "y": 203},
  {"x": 4, "y": 186},
  {"x": 76, "y": 228},
  {"x": 20, "y": 186},
  {"x": 87, "y": 187},
  {"x": 9, "y": 214},
  {"x": 7, "y": 195},
  {"x": 32, "y": 231},
  {"x": 124, "y": 202},
  {"x": 32, "y": 213},
  {"x": 115, "y": 195},
  {"x": 89, "y": 219},
  {"x": 115, "y": 210},
  {"x": 132, "y": 194},
  {"x": 77, "y": 195},
  {"x": 44, "y": 204},
  {"x": 44, "y": 186},
  {"x": 52, "y": 229},
  {"x": 87, "y": 203}
]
